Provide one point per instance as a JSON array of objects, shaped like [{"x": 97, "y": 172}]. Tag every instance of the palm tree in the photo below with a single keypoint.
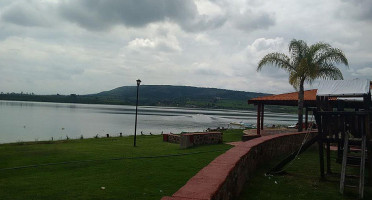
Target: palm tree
[{"x": 306, "y": 64}]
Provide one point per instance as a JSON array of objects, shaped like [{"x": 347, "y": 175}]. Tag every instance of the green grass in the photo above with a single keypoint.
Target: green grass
[
  {"x": 147, "y": 178},
  {"x": 301, "y": 181},
  {"x": 232, "y": 135}
]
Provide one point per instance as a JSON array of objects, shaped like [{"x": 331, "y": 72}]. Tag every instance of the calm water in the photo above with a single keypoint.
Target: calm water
[{"x": 31, "y": 121}]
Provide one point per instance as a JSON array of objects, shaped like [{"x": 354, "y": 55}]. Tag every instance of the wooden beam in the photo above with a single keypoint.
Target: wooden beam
[
  {"x": 306, "y": 118},
  {"x": 369, "y": 146},
  {"x": 318, "y": 119},
  {"x": 328, "y": 158},
  {"x": 262, "y": 116},
  {"x": 258, "y": 127},
  {"x": 321, "y": 156}
]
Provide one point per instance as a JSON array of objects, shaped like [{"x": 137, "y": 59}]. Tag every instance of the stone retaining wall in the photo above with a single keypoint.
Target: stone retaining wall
[
  {"x": 187, "y": 140},
  {"x": 206, "y": 138},
  {"x": 225, "y": 176},
  {"x": 172, "y": 138}
]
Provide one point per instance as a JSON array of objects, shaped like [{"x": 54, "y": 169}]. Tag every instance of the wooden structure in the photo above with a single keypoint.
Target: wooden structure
[
  {"x": 346, "y": 122},
  {"x": 287, "y": 99}
]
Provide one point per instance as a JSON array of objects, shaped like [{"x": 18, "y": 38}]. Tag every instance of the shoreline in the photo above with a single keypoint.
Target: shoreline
[{"x": 57, "y": 141}]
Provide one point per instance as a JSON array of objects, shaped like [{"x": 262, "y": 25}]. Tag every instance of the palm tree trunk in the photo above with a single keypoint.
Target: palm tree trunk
[{"x": 300, "y": 105}]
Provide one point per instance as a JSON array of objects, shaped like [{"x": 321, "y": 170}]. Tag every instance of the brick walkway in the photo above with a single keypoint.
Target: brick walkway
[{"x": 269, "y": 131}]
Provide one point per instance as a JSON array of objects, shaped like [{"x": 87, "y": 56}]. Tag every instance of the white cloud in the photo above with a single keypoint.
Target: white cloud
[
  {"x": 141, "y": 43},
  {"x": 263, "y": 44},
  {"x": 166, "y": 44},
  {"x": 205, "y": 39},
  {"x": 206, "y": 7}
]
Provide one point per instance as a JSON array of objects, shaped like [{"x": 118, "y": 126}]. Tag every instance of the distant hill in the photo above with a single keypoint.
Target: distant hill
[
  {"x": 152, "y": 95},
  {"x": 185, "y": 96}
]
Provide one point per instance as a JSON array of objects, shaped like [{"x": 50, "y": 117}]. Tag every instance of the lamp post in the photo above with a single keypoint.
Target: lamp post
[{"x": 135, "y": 126}]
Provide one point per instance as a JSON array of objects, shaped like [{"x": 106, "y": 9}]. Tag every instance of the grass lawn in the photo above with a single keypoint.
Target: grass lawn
[
  {"x": 144, "y": 178},
  {"x": 301, "y": 181}
]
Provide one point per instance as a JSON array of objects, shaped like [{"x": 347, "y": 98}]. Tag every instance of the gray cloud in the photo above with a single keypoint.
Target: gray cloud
[
  {"x": 251, "y": 21},
  {"x": 101, "y": 15},
  {"x": 361, "y": 9},
  {"x": 87, "y": 46},
  {"x": 27, "y": 13},
  {"x": 247, "y": 15}
]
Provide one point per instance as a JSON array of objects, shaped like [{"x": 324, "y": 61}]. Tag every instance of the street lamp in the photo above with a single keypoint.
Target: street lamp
[{"x": 135, "y": 126}]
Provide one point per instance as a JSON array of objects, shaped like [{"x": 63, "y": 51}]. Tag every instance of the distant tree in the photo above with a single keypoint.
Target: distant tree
[{"x": 305, "y": 64}]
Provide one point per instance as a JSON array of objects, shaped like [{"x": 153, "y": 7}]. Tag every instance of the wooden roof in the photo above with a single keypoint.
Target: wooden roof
[{"x": 287, "y": 99}]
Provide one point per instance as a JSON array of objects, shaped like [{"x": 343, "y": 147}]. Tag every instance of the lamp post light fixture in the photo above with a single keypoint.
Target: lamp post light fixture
[{"x": 135, "y": 126}]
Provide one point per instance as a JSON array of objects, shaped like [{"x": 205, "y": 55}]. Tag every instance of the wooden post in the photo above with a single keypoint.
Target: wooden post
[
  {"x": 321, "y": 156},
  {"x": 319, "y": 119},
  {"x": 306, "y": 118},
  {"x": 258, "y": 119},
  {"x": 363, "y": 157},
  {"x": 328, "y": 158},
  {"x": 343, "y": 165},
  {"x": 262, "y": 116},
  {"x": 342, "y": 124},
  {"x": 368, "y": 133}
]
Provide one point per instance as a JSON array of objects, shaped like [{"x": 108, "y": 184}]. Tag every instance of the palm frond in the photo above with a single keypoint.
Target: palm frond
[
  {"x": 317, "y": 48},
  {"x": 330, "y": 71},
  {"x": 294, "y": 80},
  {"x": 277, "y": 59},
  {"x": 332, "y": 55},
  {"x": 297, "y": 49},
  {"x": 311, "y": 73}
]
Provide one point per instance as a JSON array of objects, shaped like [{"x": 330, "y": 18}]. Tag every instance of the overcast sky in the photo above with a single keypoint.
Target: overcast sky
[{"x": 88, "y": 46}]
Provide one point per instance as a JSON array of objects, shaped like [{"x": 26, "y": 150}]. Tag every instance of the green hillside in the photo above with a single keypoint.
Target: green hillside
[
  {"x": 185, "y": 96},
  {"x": 153, "y": 95}
]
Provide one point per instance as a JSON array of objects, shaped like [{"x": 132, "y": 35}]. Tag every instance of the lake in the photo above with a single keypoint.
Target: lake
[{"x": 36, "y": 121}]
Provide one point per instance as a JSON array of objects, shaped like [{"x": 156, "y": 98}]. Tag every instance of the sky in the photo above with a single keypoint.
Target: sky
[{"x": 89, "y": 46}]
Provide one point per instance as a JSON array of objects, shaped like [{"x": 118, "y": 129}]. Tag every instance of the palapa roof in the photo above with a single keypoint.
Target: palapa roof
[{"x": 287, "y": 99}]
